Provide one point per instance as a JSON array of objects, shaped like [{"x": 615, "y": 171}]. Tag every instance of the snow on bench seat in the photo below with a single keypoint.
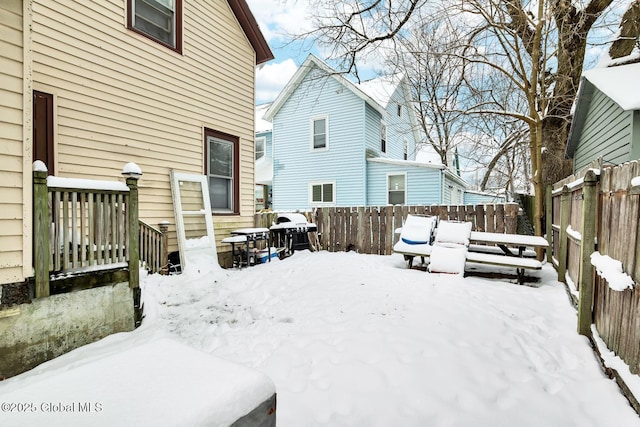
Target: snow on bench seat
[
  {"x": 528, "y": 253},
  {"x": 502, "y": 260}
]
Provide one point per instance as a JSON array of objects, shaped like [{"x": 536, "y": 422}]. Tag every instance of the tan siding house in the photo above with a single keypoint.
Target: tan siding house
[
  {"x": 12, "y": 252},
  {"x": 117, "y": 95}
]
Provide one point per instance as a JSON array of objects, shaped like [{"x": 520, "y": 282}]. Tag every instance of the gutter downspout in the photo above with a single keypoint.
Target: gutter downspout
[{"x": 364, "y": 146}]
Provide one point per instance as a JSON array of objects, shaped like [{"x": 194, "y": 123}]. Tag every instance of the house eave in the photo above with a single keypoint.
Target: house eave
[
  {"x": 251, "y": 28},
  {"x": 302, "y": 71},
  {"x": 406, "y": 163}
]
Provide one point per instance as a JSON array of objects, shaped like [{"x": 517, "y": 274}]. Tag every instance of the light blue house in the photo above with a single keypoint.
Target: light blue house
[
  {"x": 335, "y": 143},
  {"x": 606, "y": 122}
]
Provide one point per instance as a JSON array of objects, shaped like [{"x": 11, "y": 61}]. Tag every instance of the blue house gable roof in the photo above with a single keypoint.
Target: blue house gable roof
[{"x": 337, "y": 143}]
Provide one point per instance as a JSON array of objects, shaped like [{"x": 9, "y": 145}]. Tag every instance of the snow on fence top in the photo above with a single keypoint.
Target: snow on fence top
[{"x": 611, "y": 270}]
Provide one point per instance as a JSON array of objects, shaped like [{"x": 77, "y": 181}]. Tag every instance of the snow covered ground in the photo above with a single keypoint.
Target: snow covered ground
[{"x": 360, "y": 340}]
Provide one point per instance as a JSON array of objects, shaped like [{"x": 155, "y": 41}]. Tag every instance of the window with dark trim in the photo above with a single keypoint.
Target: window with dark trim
[
  {"x": 159, "y": 20},
  {"x": 222, "y": 167},
  {"x": 383, "y": 137},
  {"x": 43, "y": 129}
]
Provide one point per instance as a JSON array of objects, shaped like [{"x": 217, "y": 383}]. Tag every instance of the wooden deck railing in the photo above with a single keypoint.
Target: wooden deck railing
[
  {"x": 153, "y": 247},
  {"x": 83, "y": 225}
]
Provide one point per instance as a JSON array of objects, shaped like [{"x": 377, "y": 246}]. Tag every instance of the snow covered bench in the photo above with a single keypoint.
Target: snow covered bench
[{"x": 415, "y": 238}]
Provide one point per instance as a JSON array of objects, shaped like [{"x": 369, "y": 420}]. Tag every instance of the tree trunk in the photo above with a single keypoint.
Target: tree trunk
[{"x": 555, "y": 134}]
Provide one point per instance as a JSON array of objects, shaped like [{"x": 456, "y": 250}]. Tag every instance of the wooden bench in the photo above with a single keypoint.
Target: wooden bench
[{"x": 520, "y": 264}]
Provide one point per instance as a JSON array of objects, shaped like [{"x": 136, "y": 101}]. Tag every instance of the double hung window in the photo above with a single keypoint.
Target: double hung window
[
  {"x": 396, "y": 185},
  {"x": 320, "y": 133},
  {"x": 222, "y": 169},
  {"x": 160, "y": 20}
]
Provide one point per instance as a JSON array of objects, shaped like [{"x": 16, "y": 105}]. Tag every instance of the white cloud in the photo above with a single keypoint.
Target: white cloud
[
  {"x": 280, "y": 18},
  {"x": 272, "y": 77}
]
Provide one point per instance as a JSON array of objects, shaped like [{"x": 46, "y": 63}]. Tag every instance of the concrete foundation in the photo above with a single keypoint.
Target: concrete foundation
[{"x": 48, "y": 327}]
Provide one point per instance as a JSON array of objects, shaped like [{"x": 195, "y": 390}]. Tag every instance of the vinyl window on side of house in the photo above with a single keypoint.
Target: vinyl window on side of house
[
  {"x": 222, "y": 167},
  {"x": 405, "y": 149},
  {"x": 319, "y": 133},
  {"x": 261, "y": 144},
  {"x": 396, "y": 189},
  {"x": 159, "y": 20},
  {"x": 322, "y": 193},
  {"x": 383, "y": 137}
]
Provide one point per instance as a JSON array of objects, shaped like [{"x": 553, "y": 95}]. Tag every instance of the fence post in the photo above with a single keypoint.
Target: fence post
[
  {"x": 41, "y": 231},
  {"x": 164, "y": 242},
  {"x": 565, "y": 204},
  {"x": 548, "y": 202},
  {"x": 132, "y": 173},
  {"x": 589, "y": 206}
]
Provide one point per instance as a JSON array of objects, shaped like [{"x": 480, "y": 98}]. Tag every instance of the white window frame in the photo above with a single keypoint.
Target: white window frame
[
  {"x": 322, "y": 183},
  {"x": 326, "y": 133},
  {"x": 173, "y": 43},
  {"x": 389, "y": 175},
  {"x": 263, "y": 140},
  {"x": 383, "y": 137},
  {"x": 405, "y": 154}
]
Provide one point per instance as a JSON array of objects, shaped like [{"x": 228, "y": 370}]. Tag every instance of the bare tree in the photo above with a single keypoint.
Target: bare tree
[
  {"x": 540, "y": 46},
  {"x": 435, "y": 81}
]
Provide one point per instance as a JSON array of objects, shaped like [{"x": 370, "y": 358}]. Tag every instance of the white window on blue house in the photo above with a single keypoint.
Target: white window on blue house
[
  {"x": 320, "y": 133},
  {"x": 396, "y": 189},
  {"x": 322, "y": 193},
  {"x": 406, "y": 149},
  {"x": 261, "y": 144},
  {"x": 383, "y": 137}
]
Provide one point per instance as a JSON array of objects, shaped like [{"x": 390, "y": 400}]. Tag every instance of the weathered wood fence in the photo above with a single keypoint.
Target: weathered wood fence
[
  {"x": 600, "y": 212},
  {"x": 371, "y": 230}
]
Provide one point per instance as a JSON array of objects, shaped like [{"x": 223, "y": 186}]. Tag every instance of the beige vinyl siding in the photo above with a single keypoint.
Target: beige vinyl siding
[
  {"x": 120, "y": 97},
  {"x": 11, "y": 150}
]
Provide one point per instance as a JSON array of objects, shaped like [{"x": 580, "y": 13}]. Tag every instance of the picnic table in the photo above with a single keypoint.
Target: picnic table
[
  {"x": 504, "y": 241},
  {"x": 508, "y": 258}
]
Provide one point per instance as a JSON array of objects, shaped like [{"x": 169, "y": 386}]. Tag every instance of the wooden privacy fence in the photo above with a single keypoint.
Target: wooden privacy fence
[
  {"x": 600, "y": 212},
  {"x": 371, "y": 230},
  {"x": 83, "y": 225}
]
